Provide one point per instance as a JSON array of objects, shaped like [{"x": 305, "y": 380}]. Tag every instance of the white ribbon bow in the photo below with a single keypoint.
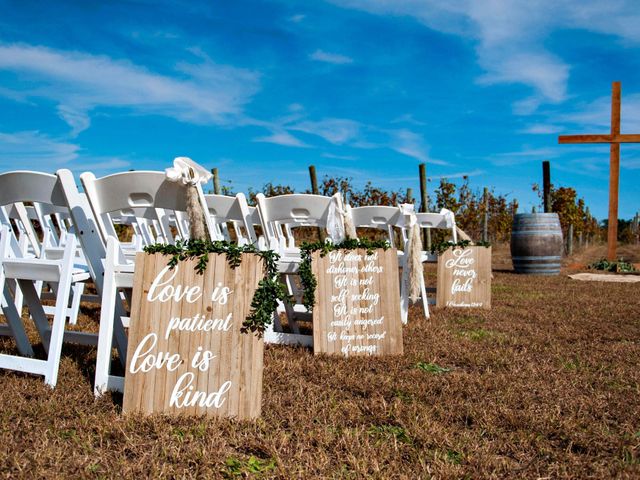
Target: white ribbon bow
[
  {"x": 409, "y": 213},
  {"x": 335, "y": 223},
  {"x": 449, "y": 217},
  {"x": 187, "y": 171},
  {"x": 413, "y": 251}
]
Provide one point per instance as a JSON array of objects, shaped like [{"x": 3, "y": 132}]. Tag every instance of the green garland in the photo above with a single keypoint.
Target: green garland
[
  {"x": 440, "y": 247},
  {"x": 266, "y": 296},
  {"x": 308, "y": 279}
]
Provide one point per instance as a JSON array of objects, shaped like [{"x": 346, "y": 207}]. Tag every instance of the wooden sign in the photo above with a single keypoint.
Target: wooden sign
[
  {"x": 464, "y": 278},
  {"x": 187, "y": 354},
  {"x": 357, "y": 309}
]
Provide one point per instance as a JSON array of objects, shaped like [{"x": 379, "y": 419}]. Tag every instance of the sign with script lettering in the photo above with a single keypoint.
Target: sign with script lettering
[
  {"x": 357, "y": 309},
  {"x": 464, "y": 278},
  {"x": 186, "y": 353}
]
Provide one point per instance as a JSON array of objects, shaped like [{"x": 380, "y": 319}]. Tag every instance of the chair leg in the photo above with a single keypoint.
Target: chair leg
[
  {"x": 293, "y": 324},
  {"x": 15, "y": 324},
  {"x": 105, "y": 335},
  {"x": 74, "y": 310},
  {"x": 404, "y": 294},
  {"x": 17, "y": 296},
  {"x": 59, "y": 318},
  {"x": 423, "y": 293},
  {"x": 7, "y": 302},
  {"x": 37, "y": 312}
]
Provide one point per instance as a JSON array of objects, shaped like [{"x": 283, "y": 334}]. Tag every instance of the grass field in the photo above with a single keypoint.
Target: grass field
[{"x": 544, "y": 385}]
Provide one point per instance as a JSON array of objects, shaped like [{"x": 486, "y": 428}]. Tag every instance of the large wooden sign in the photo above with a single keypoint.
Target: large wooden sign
[
  {"x": 186, "y": 353},
  {"x": 464, "y": 278},
  {"x": 357, "y": 309}
]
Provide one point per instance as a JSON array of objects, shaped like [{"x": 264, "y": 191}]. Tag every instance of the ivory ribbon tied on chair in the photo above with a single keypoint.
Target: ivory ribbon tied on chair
[
  {"x": 414, "y": 250},
  {"x": 191, "y": 174},
  {"x": 339, "y": 221},
  {"x": 450, "y": 219}
]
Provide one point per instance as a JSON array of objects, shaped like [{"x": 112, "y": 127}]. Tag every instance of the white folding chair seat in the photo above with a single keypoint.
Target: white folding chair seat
[{"x": 143, "y": 191}]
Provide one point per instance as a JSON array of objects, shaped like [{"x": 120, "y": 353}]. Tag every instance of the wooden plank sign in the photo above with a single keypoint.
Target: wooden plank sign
[
  {"x": 187, "y": 354},
  {"x": 357, "y": 309},
  {"x": 464, "y": 278}
]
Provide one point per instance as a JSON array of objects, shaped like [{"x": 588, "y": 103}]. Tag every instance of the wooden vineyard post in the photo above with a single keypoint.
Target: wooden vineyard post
[
  {"x": 357, "y": 309},
  {"x": 485, "y": 217},
  {"x": 464, "y": 277},
  {"x": 424, "y": 205},
  {"x": 314, "y": 180},
  {"x": 187, "y": 353},
  {"x": 546, "y": 186},
  {"x": 614, "y": 139},
  {"x": 314, "y": 189},
  {"x": 216, "y": 181},
  {"x": 570, "y": 240}
]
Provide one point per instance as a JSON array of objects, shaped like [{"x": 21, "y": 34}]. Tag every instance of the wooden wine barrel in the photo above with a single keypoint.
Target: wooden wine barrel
[{"x": 536, "y": 243}]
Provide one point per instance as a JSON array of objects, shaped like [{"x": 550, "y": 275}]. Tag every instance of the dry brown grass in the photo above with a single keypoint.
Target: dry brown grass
[{"x": 546, "y": 384}]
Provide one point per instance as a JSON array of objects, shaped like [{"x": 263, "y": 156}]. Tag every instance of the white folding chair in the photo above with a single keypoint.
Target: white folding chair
[
  {"x": 280, "y": 216},
  {"x": 388, "y": 219},
  {"x": 429, "y": 220},
  {"x": 235, "y": 212},
  {"x": 54, "y": 266},
  {"x": 117, "y": 193}
]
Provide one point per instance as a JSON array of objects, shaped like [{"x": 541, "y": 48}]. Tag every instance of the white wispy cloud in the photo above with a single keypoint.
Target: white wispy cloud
[
  {"x": 281, "y": 137},
  {"x": 510, "y": 36},
  {"x": 338, "y": 131},
  {"x": 78, "y": 120},
  {"x": 348, "y": 133},
  {"x": 596, "y": 115},
  {"x": 202, "y": 93},
  {"x": 33, "y": 150},
  {"x": 542, "y": 129},
  {"x": 339, "y": 157},
  {"x": 412, "y": 145},
  {"x": 334, "y": 58},
  {"x": 297, "y": 18}
]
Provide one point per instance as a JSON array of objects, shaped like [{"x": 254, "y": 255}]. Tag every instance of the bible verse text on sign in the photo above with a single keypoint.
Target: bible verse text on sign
[
  {"x": 186, "y": 351},
  {"x": 464, "y": 277},
  {"x": 357, "y": 309}
]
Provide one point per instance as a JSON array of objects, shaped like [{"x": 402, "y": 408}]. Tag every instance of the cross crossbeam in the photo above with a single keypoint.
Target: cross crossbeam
[{"x": 596, "y": 138}]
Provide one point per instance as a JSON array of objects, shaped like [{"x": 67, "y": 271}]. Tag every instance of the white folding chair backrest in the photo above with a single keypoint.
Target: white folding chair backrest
[
  {"x": 142, "y": 191},
  {"x": 22, "y": 219},
  {"x": 380, "y": 217},
  {"x": 234, "y": 210},
  {"x": 437, "y": 220},
  {"x": 150, "y": 225},
  {"x": 42, "y": 190},
  {"x": 294, "y": 210}
]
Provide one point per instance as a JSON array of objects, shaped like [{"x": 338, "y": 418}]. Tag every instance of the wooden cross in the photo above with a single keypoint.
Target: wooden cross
[{"x": 614, "y": 139}]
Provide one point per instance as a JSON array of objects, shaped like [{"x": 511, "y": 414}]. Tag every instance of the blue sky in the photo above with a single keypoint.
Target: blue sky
[{"x": 365, "y": 89}]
